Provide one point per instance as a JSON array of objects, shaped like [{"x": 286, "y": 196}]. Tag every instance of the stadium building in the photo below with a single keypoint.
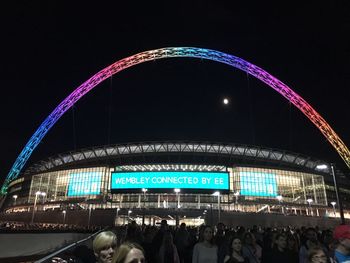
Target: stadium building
[{"x": 187, "y": 182}]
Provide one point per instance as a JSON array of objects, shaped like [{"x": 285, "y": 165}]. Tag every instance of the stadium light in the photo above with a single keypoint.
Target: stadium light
[
  {"x": 310, "y": 201},
  {"x": 89, "y": 215},
  {"x": 217, "y": 193},
  {"x": 236, "y": 194},
  {"x": 116, "y": 216},
  {"x": 333, "y": 204},
  {"x": 34, "y": 205},
  {"x": 64, "y": 212},
  {"x": 177, "y": 191},
  {"x": 129, "y": 212},
  {"x": 322, "y": 167},
  {"x": 280, "y": 198},
  {"x": 340, "y": 204},
  {"x": 43, "y": 194},
  {"x": 144, "y": 190},
  {"x": 211, "y": 213},
  {"x": 15, "y": 198}
]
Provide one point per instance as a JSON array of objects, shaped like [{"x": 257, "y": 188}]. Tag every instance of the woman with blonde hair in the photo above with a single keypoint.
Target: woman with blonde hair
[
  {"x": 104, "y": 245},
  {"x": 129, "y": 253},
  {"x": 317, "y": 255}
]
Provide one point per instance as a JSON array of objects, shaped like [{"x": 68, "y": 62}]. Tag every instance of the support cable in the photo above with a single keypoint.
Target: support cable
[
  {"x": 251, "y": 109},
  {"x": 169, "y": 52},
  {"x": 74, "y": 129},
  {"x": 110, "y": 108}
]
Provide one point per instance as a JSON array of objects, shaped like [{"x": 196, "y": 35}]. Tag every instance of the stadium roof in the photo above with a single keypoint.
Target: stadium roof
[{"x": 219, "y": 153}]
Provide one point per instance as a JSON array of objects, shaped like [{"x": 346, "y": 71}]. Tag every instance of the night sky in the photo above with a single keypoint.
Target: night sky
[{"x": 48, "y": 48}]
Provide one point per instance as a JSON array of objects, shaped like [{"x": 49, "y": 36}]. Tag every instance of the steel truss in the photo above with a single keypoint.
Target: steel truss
[
  {"x": 171, "y": 52},
  {"x": 221, "y": 150}
]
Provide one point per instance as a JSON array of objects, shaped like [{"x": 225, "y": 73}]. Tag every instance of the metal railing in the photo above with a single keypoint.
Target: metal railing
[{"x": 57, "y": 252}]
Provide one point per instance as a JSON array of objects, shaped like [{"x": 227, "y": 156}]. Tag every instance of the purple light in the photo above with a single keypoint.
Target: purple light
[{"x": 171, "y": 52}]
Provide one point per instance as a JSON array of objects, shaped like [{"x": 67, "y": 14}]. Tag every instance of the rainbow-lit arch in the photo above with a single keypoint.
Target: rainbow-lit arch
[{"x": 171, "y": 52}]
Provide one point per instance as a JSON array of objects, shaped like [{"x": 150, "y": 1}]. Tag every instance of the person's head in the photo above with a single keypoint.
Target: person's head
[
  {"x": 220, "y": 226},
  {"x": 311, "y": 235},
  {"x": 104, "y": 245},
  {"x": 236, "y": 245},
  {"x": 292, "y": 242},
  {"x": 248, "y": 238},
  {"x": 220, "y": 229},
  {"x": 164, "y": 225},
  {"x": 341, "y": 235},
  {"x": 281, "y": 242},
  {"x": 129, "y": 253},
  {"x": 206, "y": 234},
  {"x": 183, "y": 226},
  {"x": 317, "y": 255}
]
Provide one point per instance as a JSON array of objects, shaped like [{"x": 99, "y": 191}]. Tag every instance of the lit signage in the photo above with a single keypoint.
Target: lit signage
[
  {"x": 258, "y": 184},
  {"x": 170, "y": 180},
  {"x": 84, "y": 183}
]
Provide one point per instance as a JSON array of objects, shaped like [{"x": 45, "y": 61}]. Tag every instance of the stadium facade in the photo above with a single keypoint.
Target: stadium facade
[{"x": 186, "y": 176}]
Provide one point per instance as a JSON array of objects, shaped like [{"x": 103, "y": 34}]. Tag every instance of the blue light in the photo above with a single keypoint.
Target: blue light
[
  {"x": 84, "y": 183},
  {"x": 170, "y": 180},
  {"x": 258, "y": 184}
]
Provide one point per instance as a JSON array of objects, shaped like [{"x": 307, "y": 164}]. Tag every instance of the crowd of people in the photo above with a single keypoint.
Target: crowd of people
[
  {"x": 20, "y": 227},
  {"x": 205, "y": 244}
]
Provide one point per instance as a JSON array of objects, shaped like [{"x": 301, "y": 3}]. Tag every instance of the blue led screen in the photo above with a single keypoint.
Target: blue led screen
[
  {"x": 170, "y": 180},
  {"x": 258, "y": 184},
  {"x": 84, "y": 183}
]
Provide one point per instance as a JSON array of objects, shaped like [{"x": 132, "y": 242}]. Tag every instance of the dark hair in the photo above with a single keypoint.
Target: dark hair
[
  {"x": 201, "y": 233},
  {"x": 233, "y": 239},
  {"x": 246, "y": 234},
  {"x": 280, "y": 235},
  {"x": 295, "y": 240},
  {"x": 276, "y": 237}
]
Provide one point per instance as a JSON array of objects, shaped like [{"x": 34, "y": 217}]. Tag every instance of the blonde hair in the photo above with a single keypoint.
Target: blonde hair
[
  {"x": 124, "y": 249},
  {"x": 313, "y": 251},
  {"x": 103, "y": 240}
]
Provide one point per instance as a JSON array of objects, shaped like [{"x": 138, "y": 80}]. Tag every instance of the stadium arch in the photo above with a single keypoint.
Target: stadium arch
[{"x": 173, "y": 52}]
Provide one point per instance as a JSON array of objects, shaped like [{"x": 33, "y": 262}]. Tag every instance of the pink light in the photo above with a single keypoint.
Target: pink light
[{"x": 171, "y": 52}]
